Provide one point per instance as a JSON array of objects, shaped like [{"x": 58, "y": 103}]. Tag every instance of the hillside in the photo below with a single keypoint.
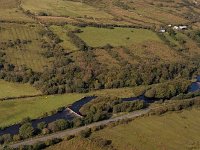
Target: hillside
[
  {"x": 99, "y": 59},
  {"x": 170, "y": 131},
  {"x": 114, "y": 36}
]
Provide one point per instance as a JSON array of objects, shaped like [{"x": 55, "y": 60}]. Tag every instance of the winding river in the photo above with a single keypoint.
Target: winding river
[{"x": 65, "y": 114}]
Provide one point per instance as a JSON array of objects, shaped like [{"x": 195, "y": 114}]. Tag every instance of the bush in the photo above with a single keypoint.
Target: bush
[
  {"x": 6, "y": 138},
  {"x": 16, "y": 137},
  {"x": 59, "y": 125},
  {"x": 41, "y": 125},
  {"x": 26, "y": 130},
  {"x": 85, "y": 133},
  {"x": 45, "y": 131},
  {"x": 77, "y": 122}
]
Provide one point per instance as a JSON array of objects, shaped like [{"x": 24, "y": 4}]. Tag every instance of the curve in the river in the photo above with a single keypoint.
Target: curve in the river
[{"x": 65, "y": 114}]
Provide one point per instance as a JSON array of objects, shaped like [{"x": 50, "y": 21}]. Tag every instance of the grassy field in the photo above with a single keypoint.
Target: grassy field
[
  {"x": 62, "y": 33},
  {"x": 77, "y": 144},
  {"x": 9, "y": 11},
  {"x": 36, "y": 107},
  {"x": 97, "y": 37},
  {"x": 173, "y": 131},
  {"x": 29, "y": 54},
  {"x": 63, "y": 8},
  {"x": 15, "y": 110},
  {"x": 8, "y": 89}
]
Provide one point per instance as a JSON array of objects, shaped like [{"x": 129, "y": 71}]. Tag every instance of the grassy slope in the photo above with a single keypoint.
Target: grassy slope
[
  {"x": 9, "y": 11},
  {"x": 63, "y": 8},
  {"x": 76, "y": 144},
  {"x": 170, "y": 131},
  {"x": 96, "y": 37},
  {"x": 36, "y": 107},
  {"x": 29, "y": 54},
  {"x": 33, "y": 107},
  {"x": 8, "y": 89},
  {"x": 62, "y": 33}
]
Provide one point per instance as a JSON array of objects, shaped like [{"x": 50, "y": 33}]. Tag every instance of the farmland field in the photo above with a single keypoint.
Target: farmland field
[
  {"x": 34, "y": 107},
  {"x": 37, "y": 106},
  {"x": 8, "y": 89},
  {"x": 29, "y": 54},
  {"x": 170, "y": 131},
  {"x": 97, "y": 37},
  {"x": 9, "y": 11},
  {"x": 55, "y": 52},
  {"x": 66, "y": 42},
  {"x": 63, "y": 8},
  {"x": 174, "y": 131}
]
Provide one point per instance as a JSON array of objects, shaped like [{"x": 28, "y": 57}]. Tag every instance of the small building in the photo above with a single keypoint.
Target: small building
[
  {"x": 162, "y": 30},
  {"x": 175, "y": 27},
  {"x": 182, "y": 27}
]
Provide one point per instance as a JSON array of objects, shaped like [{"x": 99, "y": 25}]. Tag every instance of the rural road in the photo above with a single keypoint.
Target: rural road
[{"x": 74, "y": 131}]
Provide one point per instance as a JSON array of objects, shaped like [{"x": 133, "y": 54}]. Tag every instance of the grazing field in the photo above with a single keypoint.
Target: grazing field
[
  {"x": 97, "y": 37},
  {"x": 13, "y": 15},
  {"x": 28, "y": 53},
  {"x": 9, "y": 11},
  {"x": 62, "y": 33},
  {"x": 37, "y": 106},
  {"x": 171, "y": 131},
  {"x": 63, "y": 8},
  {"x": 15, "y": 110},
  {"x": 77, "y": 144},
  {"x": 8, "y": 89}
]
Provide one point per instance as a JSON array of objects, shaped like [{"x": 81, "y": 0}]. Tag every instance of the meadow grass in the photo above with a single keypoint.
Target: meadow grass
[
  {"x": 66, "y": 41},
  {"x": 8, "y": 89},
  {"x": 29, "y": 54},
  {"x": 13, "y": 111},
  {"x": 63, "y": 8},
  {"x": 37, "y": 106},
  {"x": 97, "y": 37},
  {"x": 77, "y": 143},
  {"x": 9, "y": 11},
  {"x": 176, "y": 130},
  {"x": 170, "y": 131}
]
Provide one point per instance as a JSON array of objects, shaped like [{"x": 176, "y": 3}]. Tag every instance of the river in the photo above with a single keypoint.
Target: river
[{"x": 65, "y": 114}]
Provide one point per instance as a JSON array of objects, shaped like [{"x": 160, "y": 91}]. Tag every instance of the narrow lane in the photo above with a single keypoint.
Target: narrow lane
[{"x": 74, "y": 131}]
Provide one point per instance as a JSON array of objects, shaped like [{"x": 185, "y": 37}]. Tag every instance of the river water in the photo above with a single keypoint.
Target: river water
[{"x": 65, "y": 114}]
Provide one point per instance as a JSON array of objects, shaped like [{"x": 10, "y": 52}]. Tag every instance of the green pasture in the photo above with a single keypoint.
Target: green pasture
[{"x": 97, "y": 37}]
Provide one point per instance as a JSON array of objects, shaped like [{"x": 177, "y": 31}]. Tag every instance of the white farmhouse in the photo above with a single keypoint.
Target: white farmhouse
[
  {"x": 175, "y": 27},
  {"x": 182, "y": 27}
]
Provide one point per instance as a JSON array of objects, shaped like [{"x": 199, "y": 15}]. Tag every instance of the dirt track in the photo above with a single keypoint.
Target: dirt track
[{"x": 74, "y": 131}]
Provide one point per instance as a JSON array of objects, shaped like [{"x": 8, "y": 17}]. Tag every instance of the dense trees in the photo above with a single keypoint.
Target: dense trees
[
  {"x": 59, "y": 125},
  {"x": 66, "y": 76},
  {"x": 168, "y": 90},
  {"x": 26, "y": 130},
  {"x": 103, "y": 107},
  {"x": 78, "y": 41}
]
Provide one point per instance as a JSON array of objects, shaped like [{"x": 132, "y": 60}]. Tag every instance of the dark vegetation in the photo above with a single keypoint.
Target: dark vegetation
[
  {"x": 99, "y": 109},
  {"x": 65, "y": 76},
  {"x": 172, "y": 105},
  {"x": 168, "y": 90},
  {"x": 175, "y": 105},
  {"x": 103, "y": 107},
  {"x": 76, "y": 40}
]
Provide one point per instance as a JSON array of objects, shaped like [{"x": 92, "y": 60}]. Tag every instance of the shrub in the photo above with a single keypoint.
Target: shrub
[
  {"x": 41, "y": 125},
  {"x": 59, "y": 125},
  {"x": 85, "y": 133},
  {"x": 6, "y": 138},
  {"x": 45, "y": 131},
  {"x": 16, "y": 137},
  {"x": 26, "y": 130},
  {"x": 77, "y": 122}
]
